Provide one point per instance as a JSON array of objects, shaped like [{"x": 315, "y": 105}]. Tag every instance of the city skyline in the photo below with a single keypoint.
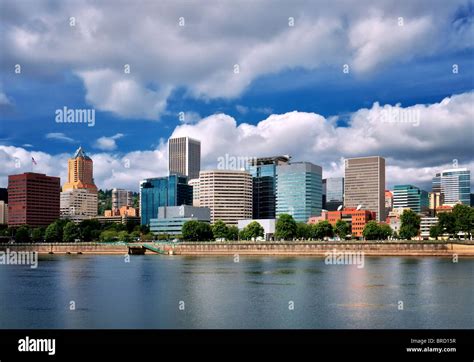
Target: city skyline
[{"x": 344, "y": 92}]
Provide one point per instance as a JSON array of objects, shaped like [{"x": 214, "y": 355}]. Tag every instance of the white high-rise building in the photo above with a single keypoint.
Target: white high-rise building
[
  {"x": 78, "y": 204},
  {"x": 121, "y": 197},
  {"x": 454, "y": 185},
  {"x": 227, "y": 193},
  {"x": 184, "y": 156},
  {"x": 195, "y": 184}
]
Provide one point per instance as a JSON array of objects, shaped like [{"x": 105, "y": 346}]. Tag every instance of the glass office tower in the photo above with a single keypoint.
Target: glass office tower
[
  {"x": 299, "y": 190},
  {"x": 454, "y": 185},
  {"x": 263, "y": 171},
  {"x": 409, "y": 196},
  {"x": 334, "y": 193},
  {"x": 171, "y": 190}
]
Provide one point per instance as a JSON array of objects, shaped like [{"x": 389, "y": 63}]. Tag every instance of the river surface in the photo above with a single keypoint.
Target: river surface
[{"x": 151, "y": 291}]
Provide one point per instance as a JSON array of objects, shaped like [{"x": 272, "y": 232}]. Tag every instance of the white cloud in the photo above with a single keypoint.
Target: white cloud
[
  {"x": 436, "y": 135},
  {"x": 4, "y": 100},
  {"x": 200, "y": 56},
  {"x": 108, "y": 143},
  {"x": 59, "y": 136}
]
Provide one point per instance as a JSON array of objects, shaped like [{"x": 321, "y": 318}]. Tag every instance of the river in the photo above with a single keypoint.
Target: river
[{"x": 151, "y": 291}]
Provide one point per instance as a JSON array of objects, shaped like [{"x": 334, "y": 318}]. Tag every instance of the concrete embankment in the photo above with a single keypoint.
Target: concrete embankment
[{"x": 250, "y": 248}]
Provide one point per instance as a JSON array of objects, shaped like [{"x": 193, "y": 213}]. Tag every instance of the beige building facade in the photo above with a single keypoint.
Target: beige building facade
[
  {"x": 364, "y": 184},
  {"x": 227, "y": 193}
]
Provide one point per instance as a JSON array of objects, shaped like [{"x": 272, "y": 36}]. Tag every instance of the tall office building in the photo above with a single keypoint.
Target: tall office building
[
  {"x": 409, "y": 196},
  {"x": 3, "y": 212},
  {"x": 79, "y": 196},
  {"x": 78, "y": 204},
  {"x": 334, "y": 192},
  {"x": 299, "y": 190},
  {"x": 33, "y": 199},
  {"x": 436, "y": 200},
  {"x": 4, "y": 194},
  {"x": 121, "y": 197},
  {"x": 80, "y": 172},
  {"x": 172, "y": 190},
  {"x": 263, "y": 171},
  {"x": 184, "y": 156},
  {"x": 454, "y": 185},
  {"x": 364, "y": 184},
  {"x": 195, "y": 184},
  {"x": 388, "y": 202},
  {"x": 227, "y": 193}
]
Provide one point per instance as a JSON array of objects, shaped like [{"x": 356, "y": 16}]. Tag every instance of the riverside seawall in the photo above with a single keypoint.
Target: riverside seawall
[{"x": 293, "y": 248}]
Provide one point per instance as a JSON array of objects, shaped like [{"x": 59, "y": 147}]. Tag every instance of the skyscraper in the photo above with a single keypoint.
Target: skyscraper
[
  {"x": 334, "y": 193},
  {"x": 121, "y": 197},
  {"x": 227, "y": 193},
  {"x": 454, "y": 185},
  {"x": 364, "y": 184},
  {"x": 33, "y": 199},
  {"x": 80, "y": 172},
  {"x": 171, "y": 190},
  {"x": 263, "y": 171},
  {"x": 184, "y": 156},
  {"x": 79, "y": 196},
  {"x": 409, "y": 196},
  {"x": 195, "y": 184},
  {"x": 299, "y": 190}
]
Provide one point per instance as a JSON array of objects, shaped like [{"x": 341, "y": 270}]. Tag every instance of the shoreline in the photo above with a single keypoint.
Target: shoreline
[{"x": 434, "y": 249}]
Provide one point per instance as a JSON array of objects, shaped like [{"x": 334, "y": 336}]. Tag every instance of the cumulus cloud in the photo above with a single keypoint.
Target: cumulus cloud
[
  {"x": 4, "y": 100},
  {"x": 220, "y": 50},
  {"x": 416, "y": 141},
  {"x": 59, "y": 136},
  {"x": 108, "y": 143}
]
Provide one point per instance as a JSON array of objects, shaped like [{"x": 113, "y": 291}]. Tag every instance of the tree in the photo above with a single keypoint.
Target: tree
[
  {"x": 147, "y": 237},
  {"x": 342, "y": 229},
  {"x": 285, "y": 227},
  {"x": 385, "y": 231},
  {"x": 193, "y": 230},
  {"x": 371, "y": 231},
  {"x": 232, "y": 233},
  {"x": 322, "y": 230},
  {"x": 436, "y": 231},
  {"x": 447, "y": 223},
  {"x": 190, "y": 230},
  {"x": 53, "y": 233},
  {"x": 23, "y": 235},
  {"x": 70, "y": 232},
  {"x": 253, "y": 231},
  {"x": 464, "y": 219},
  {"x": 37, "y": 234},
  {"x": 410, "y": 224},
  {"x": 205, "y": 231},
  {"x": 108, "y": 236},
  {"x": 220, "y": 230},
  {"x": 303, "y": 230},
  {"x": 124, "y": 236}
]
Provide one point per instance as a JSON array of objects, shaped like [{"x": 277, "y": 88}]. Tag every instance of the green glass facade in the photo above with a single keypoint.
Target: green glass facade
[
  {"x": 299, "y": 190},
  {"x": 409, "y": 196},
  {"x": 171, "y": 190}
]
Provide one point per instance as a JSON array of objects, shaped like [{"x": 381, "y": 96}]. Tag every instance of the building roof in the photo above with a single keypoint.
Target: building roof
[{"x": 80, "y": 153}]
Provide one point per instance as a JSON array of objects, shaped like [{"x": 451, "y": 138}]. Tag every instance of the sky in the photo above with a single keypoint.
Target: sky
[{"x": 318, "y": 80}]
